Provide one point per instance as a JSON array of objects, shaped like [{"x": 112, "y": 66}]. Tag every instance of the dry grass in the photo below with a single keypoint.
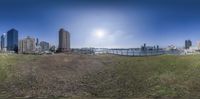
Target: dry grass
[
  {"x": 57, "y": 75},
  {"x": 77, "y": 76}
]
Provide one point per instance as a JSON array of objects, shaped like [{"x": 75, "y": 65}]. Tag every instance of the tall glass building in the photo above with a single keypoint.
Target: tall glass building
[
  {"x": 188, "y": 44},
  {"x": 3, "y": 41},
  {"x": 12, "y": 40}
]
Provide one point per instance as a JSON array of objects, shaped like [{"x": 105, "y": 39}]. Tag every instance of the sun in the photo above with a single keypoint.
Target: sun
[{"x": 100, "y": 33}]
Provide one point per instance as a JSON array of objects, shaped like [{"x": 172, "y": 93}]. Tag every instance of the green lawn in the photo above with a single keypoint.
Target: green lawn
[{"x": 101, "y": 76}]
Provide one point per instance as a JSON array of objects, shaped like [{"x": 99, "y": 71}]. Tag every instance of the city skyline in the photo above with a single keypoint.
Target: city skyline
[{"x": 101, "y": 23}]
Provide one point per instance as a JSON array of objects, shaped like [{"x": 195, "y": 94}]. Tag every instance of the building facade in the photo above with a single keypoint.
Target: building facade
[
  {"x": 53, "y": 48},
  {"x": 44, "y": 46},
  {"x": 198, "y": 45},
  {"x": 37, "y": 42},
  {"x": 64, "y": 41},
  {"x": 12, "y": 40},
  {"x": 188, "y": 44},
  {"x": 27, "y": 45},
  {"x": 3, "y": 42}
]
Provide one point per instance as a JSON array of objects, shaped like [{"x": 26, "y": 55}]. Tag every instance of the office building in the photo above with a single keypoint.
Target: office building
[
  {"x": 148, "y": 48},
  {"x": 27, "y": 45},
  {"x": 37, "y": 42},
  {"x": 44, "y": 46},
  {"x": 188, "y": 44},
  {"x": 3, "y": 42},
  {"x": 64, "y": 41},
  {"x": 12, "y": 40},
  {"x": 198, "y": 45}
]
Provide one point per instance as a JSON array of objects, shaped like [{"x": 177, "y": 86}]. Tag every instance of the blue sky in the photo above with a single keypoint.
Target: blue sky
[{"x": 126, "y": 23}]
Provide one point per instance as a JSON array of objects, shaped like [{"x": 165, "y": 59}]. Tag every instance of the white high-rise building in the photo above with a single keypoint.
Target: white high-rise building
[{"x": 27, "y": 45}]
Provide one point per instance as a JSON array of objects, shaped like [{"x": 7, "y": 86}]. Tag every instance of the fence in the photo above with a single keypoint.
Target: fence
[
  {"x": 131, "y": 52},
  {"x": 127, "y": 52}
]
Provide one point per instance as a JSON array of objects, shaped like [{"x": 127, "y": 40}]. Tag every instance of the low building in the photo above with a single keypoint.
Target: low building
[
  {"x": 149, "y": 48},
  {"x": 44, "y": 46},
  {"x": 171, "y": 47},
  {"x": 53, "y": 48}
]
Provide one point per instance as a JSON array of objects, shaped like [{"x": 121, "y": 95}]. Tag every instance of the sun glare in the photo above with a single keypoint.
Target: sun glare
[{"x": 100, "y": 33}]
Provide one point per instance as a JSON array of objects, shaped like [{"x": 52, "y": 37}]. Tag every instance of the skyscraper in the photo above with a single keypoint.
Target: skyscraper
[
  {"x": 27, "y": 45},
  {"x": 188, "y": 44},
  {"x": 64, "y": 41},
  {"x": 12, "y": 40},
  {"x": 3, "y": 42}
]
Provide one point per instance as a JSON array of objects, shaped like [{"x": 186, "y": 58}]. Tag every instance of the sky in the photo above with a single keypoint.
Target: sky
[{"x": 104, "y": 23}]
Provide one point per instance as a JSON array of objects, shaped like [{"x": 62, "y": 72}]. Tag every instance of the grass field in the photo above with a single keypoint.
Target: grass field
[{"x": 104, "y": 76}]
